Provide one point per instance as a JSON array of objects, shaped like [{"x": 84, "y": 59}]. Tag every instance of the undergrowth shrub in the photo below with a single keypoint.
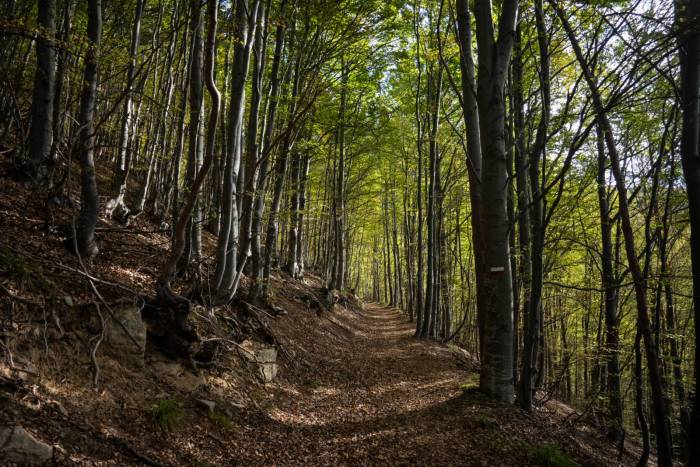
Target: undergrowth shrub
[
  {"x": 550, "y": 455},
  {"x": 166, "y": 415}
]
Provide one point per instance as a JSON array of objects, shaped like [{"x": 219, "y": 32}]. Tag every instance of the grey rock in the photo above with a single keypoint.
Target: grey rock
[
  {"x": 267, "y": 363},
  {"x": 60, "y": 408},
  {"x": 19, "y": 446},
  {"x": 209, "y": 405},
  {"x": 117, "y": 340}
]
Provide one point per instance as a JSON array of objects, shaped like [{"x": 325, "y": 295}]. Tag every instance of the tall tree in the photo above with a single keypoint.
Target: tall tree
[
  {"x": 495, "y": 306},
  {"x": 89, "y": 200},
  {"x": 663, "y": 438},
  {"x": 41, "y": 131},
  {"x": 227, "y": 245},
  {"x": 123, "y": 165}
]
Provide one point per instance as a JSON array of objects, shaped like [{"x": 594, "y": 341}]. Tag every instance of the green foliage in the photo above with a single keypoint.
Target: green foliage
[
  {"x": 550, "y": 455},
  {"x": 470, "y": 384},
  {"x": 166, "y": 415},
  {"x": 488, "y": 423},
  {"x": 15, "y": 266},
  {"x": 219, "y": 419}
]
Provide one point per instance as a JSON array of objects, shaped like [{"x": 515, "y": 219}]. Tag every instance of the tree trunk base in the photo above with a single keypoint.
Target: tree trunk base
[{"x": 168, "y": 324}]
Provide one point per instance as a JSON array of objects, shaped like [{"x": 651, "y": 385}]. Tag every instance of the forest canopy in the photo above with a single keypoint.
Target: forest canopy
[{"x": 521, "y": 179}]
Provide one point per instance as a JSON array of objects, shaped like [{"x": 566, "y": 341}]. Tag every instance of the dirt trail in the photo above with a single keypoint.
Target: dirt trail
[{"x": 378, "y": 396}]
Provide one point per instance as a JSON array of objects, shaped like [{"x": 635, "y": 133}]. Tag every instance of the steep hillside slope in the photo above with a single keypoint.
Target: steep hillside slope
[{"x": 352, "y": 385}]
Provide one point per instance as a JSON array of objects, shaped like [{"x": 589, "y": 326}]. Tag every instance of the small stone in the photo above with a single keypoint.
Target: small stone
[
  {"x": 267, "y": 363},
  {"x": 26, "y": 372},
  {"x": 209, "y": 405},
  {"x": 68, "y": 300},
  {"x": 268, "y": 355},
  {"x": 60, "y": 408},
  {"x": 19, "y": 446}
]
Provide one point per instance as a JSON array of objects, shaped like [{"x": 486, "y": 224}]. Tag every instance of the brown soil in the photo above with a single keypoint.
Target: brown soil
[{"x": 354, "y": 387}]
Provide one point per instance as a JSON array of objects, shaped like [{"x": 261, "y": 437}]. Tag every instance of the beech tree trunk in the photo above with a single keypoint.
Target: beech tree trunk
[
  {"x": 123, "y": 166},
  {"x": 257, "y": 289},
  {"x": 227, "y": 245},
  {"x": 609, "y": 284},
  {"x": 41, "y": 131},
  {"x": 537, "y": 223},
  {"x": 496, "y": 376},
  {"x": 89, "y": 200},
  {"x": 338, "y": 278}
]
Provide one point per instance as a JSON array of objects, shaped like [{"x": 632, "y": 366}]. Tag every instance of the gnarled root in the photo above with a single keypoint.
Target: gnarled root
[{"x": 168, "y": 324}]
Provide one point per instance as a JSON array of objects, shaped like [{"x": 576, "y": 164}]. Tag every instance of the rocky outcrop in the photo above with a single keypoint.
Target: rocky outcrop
[
  {"x": 127, "y": 324},
  {"x": 19, "y": 446}
]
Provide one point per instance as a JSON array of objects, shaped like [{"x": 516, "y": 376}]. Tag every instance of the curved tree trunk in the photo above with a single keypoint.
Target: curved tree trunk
[{"x": 227, "y": 245}]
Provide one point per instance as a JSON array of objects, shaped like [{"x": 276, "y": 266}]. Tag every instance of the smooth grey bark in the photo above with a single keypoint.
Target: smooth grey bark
[
  {"x": 180, "y": 142},
  {"x": 474, "y": 157},
  {"x": 291, "y": 265},
  {"x": 123, "y": 165},
  {"x": 496, "y": 375},
  {"x": 524, "y": 195},
  {"x": 193, "y": 246},
  {"x": 169, "y": 268},
  {"x": 89, "y": 200},
  {"x": 257, "y": 290},
  {"x": 227, "y": 245},
  {"x": 609, "y": 284},
  {"x": 338, "y": 276},
  {"x": 537, "y": 223},
  {"x": 301, "y": 235},
  {"x": 420, "y": 291},
  {"x": 252, "y": 146},
  {"x": 433, "y": 102},
  {"x": 281, "y": 165},
  {"x": 41, "y": 130},
  {"x": 162, "y": 194}
]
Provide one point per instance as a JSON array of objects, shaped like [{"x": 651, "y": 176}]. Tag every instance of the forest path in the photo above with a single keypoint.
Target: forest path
[{"x": 378, "y": 396}]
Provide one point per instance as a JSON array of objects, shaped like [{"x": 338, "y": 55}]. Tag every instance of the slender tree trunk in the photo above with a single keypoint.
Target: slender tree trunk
[
  {"x": 257, "y": 289},
  {"x": 169, "y": 268},
  {"x": 420, "y": 301},
  {"x": 41, "y": 131},
  {"x": 227, "y": 245},
  {"x": 474, "y": 156},
  {"x": 89, "y": 200},
  {"x": 61, "y": 71},
  {"x": 537, "y": 226},
  {"x": 123, "y": 165},
  {"x": 609, "y": 284},
  {"x": 338, "y": 279},
  {"x": 252, "y": 146},
  {"x": 195, "y": 149}
]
